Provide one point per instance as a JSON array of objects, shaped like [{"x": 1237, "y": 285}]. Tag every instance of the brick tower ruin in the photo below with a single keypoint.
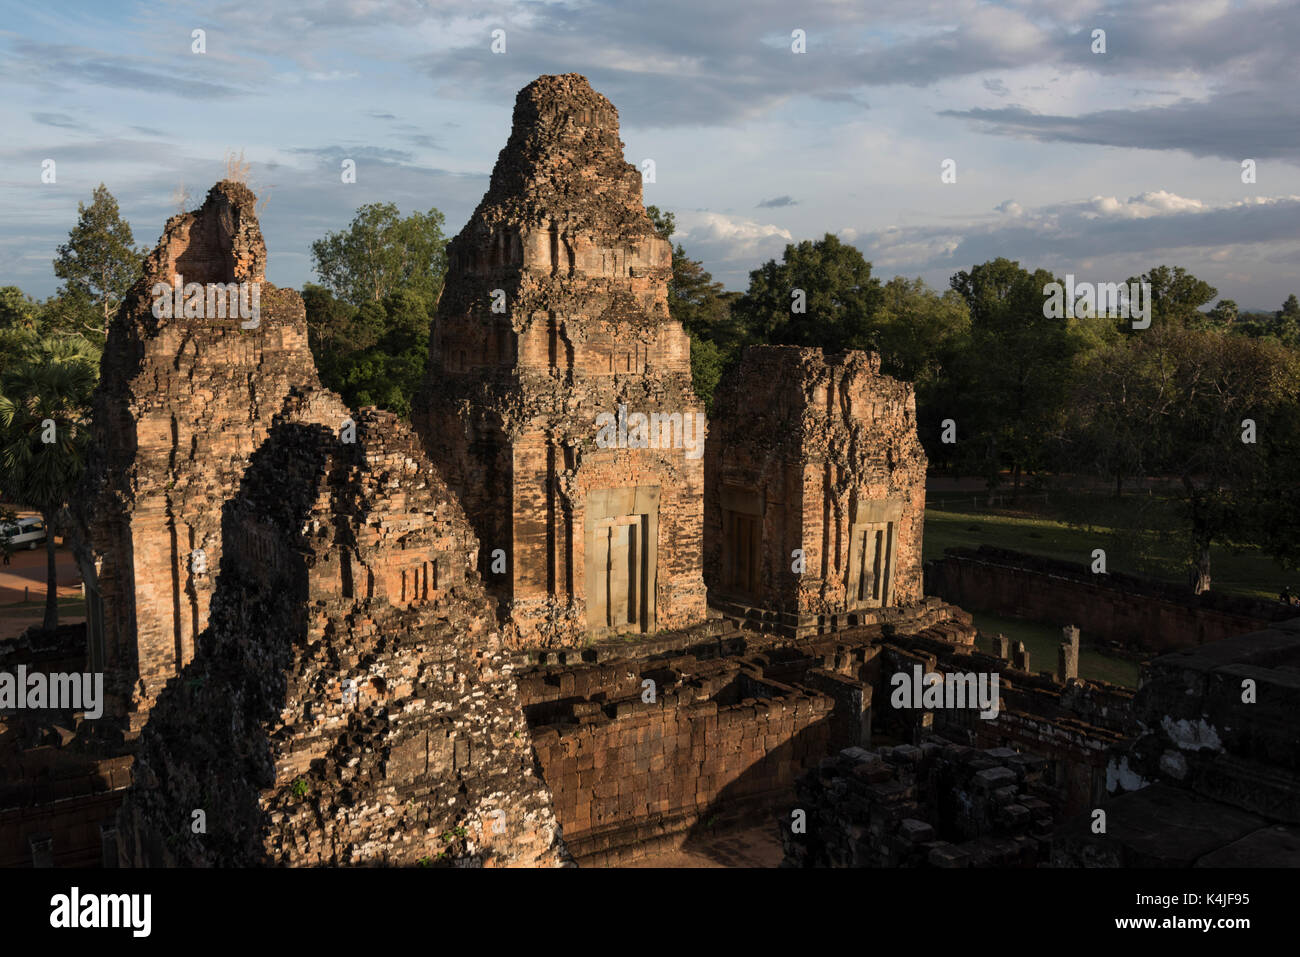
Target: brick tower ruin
[
  {"x": 555, "y": 314},
  {"x": 814, "y": 456},
  {"x": 181, "y": 405},
  {"x": 349, "y": 702}
]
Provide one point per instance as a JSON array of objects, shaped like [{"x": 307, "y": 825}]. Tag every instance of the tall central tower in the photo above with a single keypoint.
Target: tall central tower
[{"x": 558, "y": 398}]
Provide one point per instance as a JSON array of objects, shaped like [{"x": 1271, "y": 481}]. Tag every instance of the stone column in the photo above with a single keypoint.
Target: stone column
[
  {"x": 1068, "y": 657},
  {"x": 1020, "y": 660},
  {"x": 108, "y": 842},
  {"x": 42, "y": 846}
]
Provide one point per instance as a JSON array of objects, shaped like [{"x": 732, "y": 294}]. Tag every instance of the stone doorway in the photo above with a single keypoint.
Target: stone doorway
[
  {"x": 620, "y": 548},
  {"x": 871, "y": 554},
  {"x": 869, "y": 564},
  {"x": 742, "y": 543},
  {"x": 622, "y": 527}
]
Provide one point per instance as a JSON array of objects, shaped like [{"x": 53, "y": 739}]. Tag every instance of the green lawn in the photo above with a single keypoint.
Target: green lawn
[
  {"x": 67, "y": 606},
  {"x": 1041, "y": 641},
  {"x": 1141, "y": 536}
]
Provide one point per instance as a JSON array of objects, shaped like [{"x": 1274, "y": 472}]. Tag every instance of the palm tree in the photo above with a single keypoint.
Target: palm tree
[{"x": 45, "y": 395}]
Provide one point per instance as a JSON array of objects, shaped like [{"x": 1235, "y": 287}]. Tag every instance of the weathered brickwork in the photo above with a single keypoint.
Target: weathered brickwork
[
  {"x": 815, "y": 490},
  {"x": 631, "y": 771},
  {"x": 735, "y": 716},
  {"x": 350, "y": 702},
  {"x": 182, "y": 404},
  {"x": 435, "y": 644},
  {"x": 593, "y": 540}
]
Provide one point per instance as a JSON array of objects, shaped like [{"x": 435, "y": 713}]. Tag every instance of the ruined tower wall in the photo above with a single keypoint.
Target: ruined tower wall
[
  {"x": 554, "y": 312},
  {"x": 816, "y": 453},
  {"x": 182, "y": 404},
  {"x": 350, "y": 702}
]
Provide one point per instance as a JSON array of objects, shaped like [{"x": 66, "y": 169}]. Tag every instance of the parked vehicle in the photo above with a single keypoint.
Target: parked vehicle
[{"x": 25, "y": 531}]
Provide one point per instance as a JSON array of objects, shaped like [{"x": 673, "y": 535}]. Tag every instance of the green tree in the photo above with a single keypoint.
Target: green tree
[
  {"x": 17, "y": 309},
  {"x": 1224, "y": 314},
  {"x": 1221, "y": 381},
  {"x": 381, "y": 253},
  {"x": 704, "y": 310},
  {"x": 1177, "y": 296},
  {"x": 44, "y": 407},
  {"x": 834, "y": 285},
  {"x": 19, "y": 318},
  {"x": 1272, "y": 499},
  {"x": 920, "y": 331},
  {"x": 1015, "y": 376},
  {"x": 374, "y": 354},
  {"x": 1121, "y": 394},
  {"x": 1286, "y": 325},
  {"x": 98, "y": 264},
  {"x": 1187, "y": 394},
  {"x": 368, "y": 324},
  {"x": 664, "y": 222},
  {"x": 922, "y": 335}
]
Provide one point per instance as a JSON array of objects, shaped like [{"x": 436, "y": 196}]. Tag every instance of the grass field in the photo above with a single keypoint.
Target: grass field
[
  {"x": 1141, "y": 536},
  {"x": 67, "y": 606}
]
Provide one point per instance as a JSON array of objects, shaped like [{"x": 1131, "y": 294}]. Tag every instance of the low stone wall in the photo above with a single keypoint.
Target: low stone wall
[
  {"x": 61, "y": 779},
  {"x": 1075, "y": 725},
  {"x": 631, "y": 775},
  {"x": 1135, "y": 612},
  {"x": 70, "y": 812}
]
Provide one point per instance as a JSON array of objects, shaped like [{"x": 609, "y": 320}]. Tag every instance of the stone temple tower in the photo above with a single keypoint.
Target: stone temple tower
[
  {"x": 558, "y": 398},
  {"x": 182, "y": 404}
]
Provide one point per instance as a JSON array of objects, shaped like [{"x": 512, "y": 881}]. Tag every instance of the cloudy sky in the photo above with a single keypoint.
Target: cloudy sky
[{"x": 1099, "y": 164}]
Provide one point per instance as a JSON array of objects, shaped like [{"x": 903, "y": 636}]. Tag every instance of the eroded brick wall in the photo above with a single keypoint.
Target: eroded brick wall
[
  {"x": 1075, "y": 726},
  {"x": 350, "y": 702},
  {"x": 561, "y": 243},
  {"x": 822, "y": 451},
  {"x": 630, "y": 775},
  {"x": 181, "y": 406}
]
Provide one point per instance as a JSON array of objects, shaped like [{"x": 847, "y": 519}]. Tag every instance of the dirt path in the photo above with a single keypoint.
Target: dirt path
[{"x": 23, "y": 579}]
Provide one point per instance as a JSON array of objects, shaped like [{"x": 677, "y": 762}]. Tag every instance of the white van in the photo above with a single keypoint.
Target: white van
[{"x": 25, "y": 531}]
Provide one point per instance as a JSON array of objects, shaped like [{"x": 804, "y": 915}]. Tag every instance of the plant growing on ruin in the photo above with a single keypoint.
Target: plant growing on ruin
[
  {"x": 237, "y": 167},
  {"x": 300, "y": 788}
]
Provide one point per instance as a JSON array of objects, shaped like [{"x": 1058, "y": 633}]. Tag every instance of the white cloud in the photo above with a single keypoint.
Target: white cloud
[
  {"x": 1151, "y": 203},
  {"x": 737, "y": 238}
]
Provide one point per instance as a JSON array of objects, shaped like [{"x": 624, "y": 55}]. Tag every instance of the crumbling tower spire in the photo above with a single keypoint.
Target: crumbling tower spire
[
  {"x": 554, "y": 318},
  {"x": 201, "y": 355}
]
